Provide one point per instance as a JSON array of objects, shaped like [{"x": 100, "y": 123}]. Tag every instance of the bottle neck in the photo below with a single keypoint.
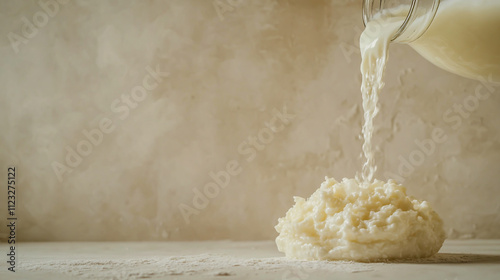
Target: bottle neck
[{"x": 417, "y": 14}]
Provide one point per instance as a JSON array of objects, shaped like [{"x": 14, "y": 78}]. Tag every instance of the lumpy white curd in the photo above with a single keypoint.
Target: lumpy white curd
[{"x": 352, "y": 220}]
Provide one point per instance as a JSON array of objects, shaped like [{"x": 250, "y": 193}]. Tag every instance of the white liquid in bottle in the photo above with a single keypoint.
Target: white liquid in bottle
[{"x": 464, "y": 39}]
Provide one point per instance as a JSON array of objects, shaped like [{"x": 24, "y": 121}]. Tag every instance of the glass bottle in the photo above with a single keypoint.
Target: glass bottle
[{"x": 460, "y": 36}]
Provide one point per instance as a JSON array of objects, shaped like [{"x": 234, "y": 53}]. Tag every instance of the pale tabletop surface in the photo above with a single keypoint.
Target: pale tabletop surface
[{"x": 470, "y": 259}]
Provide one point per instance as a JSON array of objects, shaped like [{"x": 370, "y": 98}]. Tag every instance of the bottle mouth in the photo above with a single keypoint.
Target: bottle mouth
[{"x": 410, "y": 30}]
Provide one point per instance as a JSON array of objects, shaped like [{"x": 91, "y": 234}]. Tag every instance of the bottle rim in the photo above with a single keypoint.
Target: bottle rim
[{"x": 369, "y": 12}]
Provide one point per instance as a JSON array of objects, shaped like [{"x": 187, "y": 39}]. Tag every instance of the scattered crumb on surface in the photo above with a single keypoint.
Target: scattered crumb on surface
[
  {"x": 232, "y": 260},
  {"x": 223, "y": 273},
  {"x": 201, "y": 264}
]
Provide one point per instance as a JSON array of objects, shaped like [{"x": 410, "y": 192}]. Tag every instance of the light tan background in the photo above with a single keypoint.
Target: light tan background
[{"x": 230, "y": 64}]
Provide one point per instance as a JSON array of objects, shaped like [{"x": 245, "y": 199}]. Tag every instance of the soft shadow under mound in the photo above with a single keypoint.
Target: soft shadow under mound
[{"x": 453, "y": 258}]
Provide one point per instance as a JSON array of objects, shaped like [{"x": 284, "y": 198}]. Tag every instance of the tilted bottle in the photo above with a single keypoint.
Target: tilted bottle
[{"x": 460, "y": 36}]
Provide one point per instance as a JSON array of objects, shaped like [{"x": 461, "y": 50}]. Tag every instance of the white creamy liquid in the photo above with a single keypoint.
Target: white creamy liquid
[
  {"x": 464, "y": 38},
  {"x": 362, "y": 219},
  {"x": 374, "y": 44}
]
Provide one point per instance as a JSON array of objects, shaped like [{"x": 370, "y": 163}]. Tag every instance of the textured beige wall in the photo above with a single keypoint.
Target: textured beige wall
[{"x": 263, "y": 93}]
